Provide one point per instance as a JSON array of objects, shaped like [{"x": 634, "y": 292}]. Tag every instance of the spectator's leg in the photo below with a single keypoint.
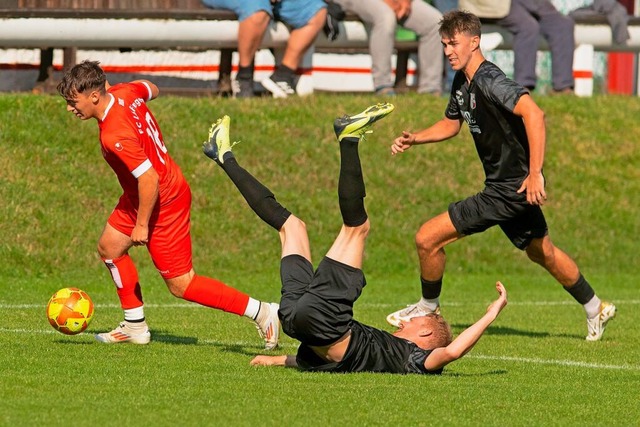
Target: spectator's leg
[
  {"x": 526, "y": 33},
  {"x": 302, "y": 38},
  {"x": 381, "y": 24},
  {"x": 306, "y": 19},
  {"x": 424, "y": 20},
  {"x": 558, "y": 30},
  {"x": 44, "y": 82},
  {"x": 250, "y": 34}
]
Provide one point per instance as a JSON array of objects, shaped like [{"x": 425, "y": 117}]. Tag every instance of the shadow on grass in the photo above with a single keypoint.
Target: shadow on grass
[
  {"x": 224, "y": 347},
  {"x": 167, "y": 338},
  {"x": 479, "y": 374},
  {"x": 503, "y": 330}
]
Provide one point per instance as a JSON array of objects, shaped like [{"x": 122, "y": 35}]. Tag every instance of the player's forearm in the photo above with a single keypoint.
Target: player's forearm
[
  {"x": 283, "y": 360},
  {"x": 470, "y": 336},
  {"x": 440, "y": 131},
  {"x": 536, "y": 134},
  {"x": 148, "y": 191}
]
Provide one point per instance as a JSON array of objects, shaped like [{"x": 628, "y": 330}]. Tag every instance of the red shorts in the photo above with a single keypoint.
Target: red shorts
[{"x": 169, "y": 233}]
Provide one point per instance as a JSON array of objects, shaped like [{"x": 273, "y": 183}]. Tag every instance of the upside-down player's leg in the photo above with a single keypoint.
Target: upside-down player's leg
[
  {"x": 296, "y": 266},
  {"x": 348, "y": 248}
]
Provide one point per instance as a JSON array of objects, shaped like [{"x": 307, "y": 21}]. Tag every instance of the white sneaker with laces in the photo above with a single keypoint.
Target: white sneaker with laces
[
  {"x": 408, "y": 313},
  {"x": 133, "y": 332},
  {"x": 268, "y": 324},
  {"x": 597, "y": 324},
  {"x": 278, "y": 88}
]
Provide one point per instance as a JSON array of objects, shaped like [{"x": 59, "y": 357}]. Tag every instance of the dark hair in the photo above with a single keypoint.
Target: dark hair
[
  {"x": 442, "y": 335},
  {"x": 459, "y": 22},
  {"x": 84, "y": 76}
]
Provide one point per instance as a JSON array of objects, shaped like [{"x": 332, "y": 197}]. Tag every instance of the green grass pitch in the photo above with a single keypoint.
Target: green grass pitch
[{"x": 533, "y": 366}]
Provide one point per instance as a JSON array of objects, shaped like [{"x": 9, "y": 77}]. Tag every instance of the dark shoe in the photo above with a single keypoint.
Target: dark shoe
[
  {"x": 242, "y": 88},
  {"x": 385, "y": 91}
]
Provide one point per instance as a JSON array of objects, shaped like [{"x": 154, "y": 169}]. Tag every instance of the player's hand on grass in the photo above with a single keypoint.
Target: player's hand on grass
[
  {"x": 403, "y": 142},
  {"x": 262, "y": 360}
]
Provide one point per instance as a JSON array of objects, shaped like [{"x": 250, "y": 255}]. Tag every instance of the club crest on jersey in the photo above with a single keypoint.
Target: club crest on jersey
[
  {"x": 121, "y": 102},
  {"x": 472, "y": 101}
]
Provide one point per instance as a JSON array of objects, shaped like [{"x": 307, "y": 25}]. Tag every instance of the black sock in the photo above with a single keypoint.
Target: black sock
[
  {"x": 259, "y": 198},
  {"x": 351, "y": 190},
  {"x": 245, "y": 73},
  {"x": 431, "y": 290},
  {"x": 283, "y": 73},
  {"x": 581, "y": 291}
]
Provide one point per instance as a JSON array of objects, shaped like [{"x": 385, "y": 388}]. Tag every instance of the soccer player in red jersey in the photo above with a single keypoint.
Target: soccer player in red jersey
[{"x": 154, "y": 209}]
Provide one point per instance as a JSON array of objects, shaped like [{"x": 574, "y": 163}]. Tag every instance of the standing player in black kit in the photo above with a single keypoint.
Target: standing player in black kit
[
  {"x": 509, "y": 133},
  {"x": 317, "y": 306}
]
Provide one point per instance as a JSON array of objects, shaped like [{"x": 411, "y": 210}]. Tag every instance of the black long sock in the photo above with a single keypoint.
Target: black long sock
[
  {"x": 351, "y": 191},
  {"x": 431, "y": 289},
  {"x": 245, "y": 73},
  {"x": 581, "y": 291},
  {"x": 259, "y": 197}
]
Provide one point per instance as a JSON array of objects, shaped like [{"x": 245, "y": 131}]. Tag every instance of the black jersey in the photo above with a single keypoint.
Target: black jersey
[
  {"x": 370, "y": 350},
  {"x": 486, "y": 104}
]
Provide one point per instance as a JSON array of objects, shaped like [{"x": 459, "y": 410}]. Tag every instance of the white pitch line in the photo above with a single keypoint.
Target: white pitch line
[
  {"x": 572, "y": 363},
  {"x": 358, "y": 305}
]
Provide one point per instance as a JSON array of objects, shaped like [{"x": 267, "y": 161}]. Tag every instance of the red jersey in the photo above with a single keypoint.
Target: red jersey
[{"x": 132, "y": 143}]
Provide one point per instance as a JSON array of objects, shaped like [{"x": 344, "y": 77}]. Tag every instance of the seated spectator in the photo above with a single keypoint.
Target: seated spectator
[
  {"x": 445, "y": 6},
  {"x": 527, "y": 20},
  {"x": 381, "y": 18},
  {"x": 305, "y": 17}
]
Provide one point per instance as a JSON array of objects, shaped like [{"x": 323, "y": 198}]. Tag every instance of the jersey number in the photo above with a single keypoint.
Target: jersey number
[{"x": 154, "y": 134}]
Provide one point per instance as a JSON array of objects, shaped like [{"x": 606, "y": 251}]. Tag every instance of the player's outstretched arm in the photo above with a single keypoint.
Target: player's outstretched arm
[
  {"x": 469, "y": 337},
  {"x": 284, "y": 360},
  {"x": 441, "y": 130}
]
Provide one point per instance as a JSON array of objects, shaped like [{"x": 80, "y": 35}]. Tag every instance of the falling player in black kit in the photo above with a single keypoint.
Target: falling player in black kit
[
  {"x": 509, "y": 133},
  {"x": 317, "y": 307}
]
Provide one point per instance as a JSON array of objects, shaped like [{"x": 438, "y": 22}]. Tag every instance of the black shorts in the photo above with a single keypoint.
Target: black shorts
[
  {"x": 317, "y": 308},
  {"x": 520, "y": 221}
]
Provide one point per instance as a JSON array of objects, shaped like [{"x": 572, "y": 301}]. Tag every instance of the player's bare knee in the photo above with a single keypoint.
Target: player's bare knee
[
  {"x": 178, "y": 285},
  {"x": 362, "y": 229},
  {"x": 294, "y": 225},
  {"x": 425, "y": 242},
  {"x": 107, "y": 251},
  {"x": 176, "y": 291}
]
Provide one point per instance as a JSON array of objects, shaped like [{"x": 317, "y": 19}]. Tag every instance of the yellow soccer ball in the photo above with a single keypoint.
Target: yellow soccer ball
[{"x": 70, "y": 311}]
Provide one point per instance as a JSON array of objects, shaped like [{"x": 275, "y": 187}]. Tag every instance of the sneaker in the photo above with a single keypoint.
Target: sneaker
[
  {"x": 242, "y": 88},
  {"x": 135, "y": 333},
  {"x": 385, "y": 91},
  {"x": 218, "y": 143},
  {"x": 278, "y": 88},
  {"x": 268, "y": 324},
  {"x": 356, "y": 126},
  {"x": 597, "y": 324},
  {"x": 408, "y": 313}
]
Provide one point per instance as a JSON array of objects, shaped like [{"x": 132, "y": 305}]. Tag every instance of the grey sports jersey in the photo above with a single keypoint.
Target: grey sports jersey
[
  {"x": 487, "y": 104},
  {"x": 370, "y": 350}
]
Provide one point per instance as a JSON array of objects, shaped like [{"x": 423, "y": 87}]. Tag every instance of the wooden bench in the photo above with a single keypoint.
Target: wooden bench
[{"x": 175, "y": 24}]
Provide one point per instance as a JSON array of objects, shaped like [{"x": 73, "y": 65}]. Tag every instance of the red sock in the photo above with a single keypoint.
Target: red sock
[
  {"x": 213, "y": 293},
  {"x": 125, "y": 277}
]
